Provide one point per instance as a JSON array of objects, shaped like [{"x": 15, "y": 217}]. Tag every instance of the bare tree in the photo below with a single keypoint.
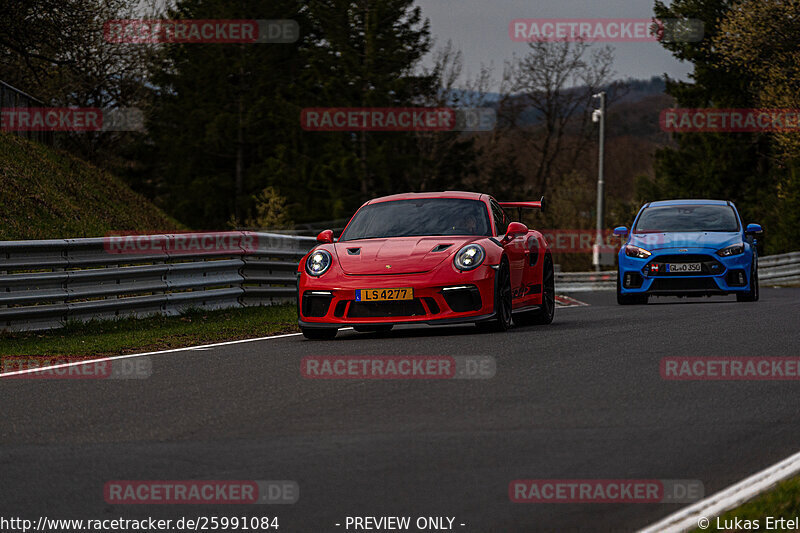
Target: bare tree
[
  {"x": 547, "y": 95},
  {"x": 443, "y": 152},
  {"x": 58, "y": 51}
]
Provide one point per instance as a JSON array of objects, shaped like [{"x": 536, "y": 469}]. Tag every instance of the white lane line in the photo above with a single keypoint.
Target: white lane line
[
  {"x": 129, "y": 356},
  {"x": 687, "y": 518}
]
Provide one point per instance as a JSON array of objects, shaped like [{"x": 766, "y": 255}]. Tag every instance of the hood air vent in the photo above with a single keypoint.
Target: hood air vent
[{"x": 441, "y": 247}]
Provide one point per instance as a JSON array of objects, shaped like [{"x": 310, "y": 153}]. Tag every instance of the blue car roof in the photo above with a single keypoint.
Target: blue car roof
[{"x": 689, "y": 202}]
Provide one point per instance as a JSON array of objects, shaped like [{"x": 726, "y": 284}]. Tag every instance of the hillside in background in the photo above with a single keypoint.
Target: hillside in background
[
  {"x": 46, "y": 194},
  {"x": 643, "y": 100}
]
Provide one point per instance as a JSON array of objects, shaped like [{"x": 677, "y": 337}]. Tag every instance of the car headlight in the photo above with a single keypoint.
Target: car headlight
[
  {"x": 635, "y": 251},
  {"x": 736, "y": 249},
  {"x": 469, "y": 257},
  {"x": 318, "y": 262}
]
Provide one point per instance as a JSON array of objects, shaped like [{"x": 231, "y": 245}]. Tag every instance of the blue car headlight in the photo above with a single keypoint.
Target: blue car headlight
[
  {"x": 736, "y": 249},
  {"x": 469, "y": 257},
  {"x": 318, "y": 262},
  {"x": 635, "y": 251}
]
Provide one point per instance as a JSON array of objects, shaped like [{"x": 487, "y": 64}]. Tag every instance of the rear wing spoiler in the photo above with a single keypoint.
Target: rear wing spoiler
[{"x": 524, "y": 205}]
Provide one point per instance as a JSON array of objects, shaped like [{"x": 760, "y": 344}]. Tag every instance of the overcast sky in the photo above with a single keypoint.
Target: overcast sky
[{"x": 479, "y": 28}]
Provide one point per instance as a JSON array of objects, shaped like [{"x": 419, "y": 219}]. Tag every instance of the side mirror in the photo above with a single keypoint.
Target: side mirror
[
  {"x": 515, "y": 229},
  {"x": 325, "y": 236},
  {"x": 621, "y": 231},
  {"x": 753, "y": 229}
]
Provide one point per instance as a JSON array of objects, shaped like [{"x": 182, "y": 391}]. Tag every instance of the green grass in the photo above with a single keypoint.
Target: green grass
[
  {"x": 49, "y": 194},
  {"x": 783, "y": 501},
  {"x": 131, "y": 335}
]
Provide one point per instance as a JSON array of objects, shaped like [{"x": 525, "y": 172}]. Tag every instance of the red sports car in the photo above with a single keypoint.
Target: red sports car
[{"x": 434, "y": 258}]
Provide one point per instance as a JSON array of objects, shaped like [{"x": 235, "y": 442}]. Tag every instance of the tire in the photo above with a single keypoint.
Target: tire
[
  {"x": 753, "y": 294},
  {"x": 629, "y": 299},
  {"x": 373, "y": 329},
  {"x": 502, "y": 301},
  {"x": 319, "y": 334},
  {"x": 543, "y": 315}
]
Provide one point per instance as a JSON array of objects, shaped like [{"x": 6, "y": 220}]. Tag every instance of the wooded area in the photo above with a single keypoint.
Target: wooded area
[{"x": 224, "y": 146}]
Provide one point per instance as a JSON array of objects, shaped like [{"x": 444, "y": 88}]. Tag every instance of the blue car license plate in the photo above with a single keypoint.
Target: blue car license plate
[{"x": 684, "y": 267}]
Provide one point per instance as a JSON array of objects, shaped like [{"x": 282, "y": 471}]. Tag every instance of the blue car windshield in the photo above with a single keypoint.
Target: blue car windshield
[
  {"x": 416, "y": 218},
  {"x": 687, "y": 218}
]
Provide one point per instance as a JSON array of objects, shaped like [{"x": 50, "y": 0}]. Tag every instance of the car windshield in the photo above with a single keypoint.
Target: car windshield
[
  {"x": 687, "y": 218},
  {"x": 412, "y": 218}
]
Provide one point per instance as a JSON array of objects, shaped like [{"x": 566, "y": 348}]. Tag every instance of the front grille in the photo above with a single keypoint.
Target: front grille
[
  {"x": 683, "y": 284},
  {"x": 708, "y": 265},
  {"x": 385, "y": 309},
  {"x": 340, "y": 307},
  {"x": 433, "y": 307}
]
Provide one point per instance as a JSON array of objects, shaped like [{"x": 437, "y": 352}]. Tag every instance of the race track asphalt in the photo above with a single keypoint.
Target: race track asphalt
[{"x": 582, "y": 398}]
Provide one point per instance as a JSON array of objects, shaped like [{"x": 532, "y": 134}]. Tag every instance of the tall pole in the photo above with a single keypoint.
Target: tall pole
[{"x": 600, "y": 182}]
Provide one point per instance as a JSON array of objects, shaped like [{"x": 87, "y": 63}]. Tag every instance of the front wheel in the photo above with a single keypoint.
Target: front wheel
[
  {"x": 319, "y": 334},
  {"x": 545, "y": 313},
  {"x": 502, "y": 301}
]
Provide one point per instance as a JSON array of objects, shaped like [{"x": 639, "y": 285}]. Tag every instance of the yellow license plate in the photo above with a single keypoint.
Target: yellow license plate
[{"x": 383, "y": 295}]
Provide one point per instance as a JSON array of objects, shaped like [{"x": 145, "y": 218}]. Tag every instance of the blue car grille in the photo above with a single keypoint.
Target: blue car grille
[{"x": 708, "y": 265}]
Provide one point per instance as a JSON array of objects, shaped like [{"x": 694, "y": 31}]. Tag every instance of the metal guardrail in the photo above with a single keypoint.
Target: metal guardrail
[
  {"x": 44, "y": 284},
  {"x": 11, "y": 97},
  {"x": 773, "y": 271}
]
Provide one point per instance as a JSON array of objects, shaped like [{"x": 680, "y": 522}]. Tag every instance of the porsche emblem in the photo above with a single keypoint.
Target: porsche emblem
[
  {"x": 683, "y": 250},
  {"x": 388, "y": 266}
]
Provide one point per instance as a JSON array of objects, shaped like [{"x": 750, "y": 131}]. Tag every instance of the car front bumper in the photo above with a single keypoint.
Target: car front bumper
[
  {"x": 718, "y": 275},
  {"x": 442, "y": 296}
]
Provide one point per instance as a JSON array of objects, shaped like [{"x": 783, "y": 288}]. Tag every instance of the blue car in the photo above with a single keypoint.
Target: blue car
[{"x": 688, "y": 248}]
